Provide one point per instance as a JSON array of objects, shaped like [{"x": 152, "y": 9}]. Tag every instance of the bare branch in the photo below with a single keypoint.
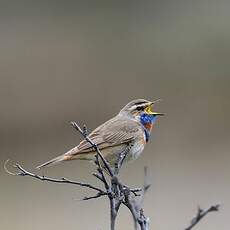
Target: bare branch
[
  {"x": 135, "y": 206},
  {"x": 201, "y": 214},
  {"x": 23, "y": 172},
  {"x": 146, "y": 186},
  {"x": 99, "y": 194},
  {"x": 84, "y": 134},
  {"x": 117, "y": 193},
  {"x": 101, "y": 175},
  {"x": 130, "y": 204}
]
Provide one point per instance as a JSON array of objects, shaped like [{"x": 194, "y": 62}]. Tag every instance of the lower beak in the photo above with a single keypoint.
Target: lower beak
[{"x": 159, "y": 114}]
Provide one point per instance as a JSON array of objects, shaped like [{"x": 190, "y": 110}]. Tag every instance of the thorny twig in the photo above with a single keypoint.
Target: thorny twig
[
  {"x": 117, "y": 192},
  {"x": 23, "y": 172},
  {"x": 202, "y": 213}
]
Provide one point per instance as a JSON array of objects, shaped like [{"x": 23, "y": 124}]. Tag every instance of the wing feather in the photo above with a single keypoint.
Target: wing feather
[{"x": 116, "y": 131}]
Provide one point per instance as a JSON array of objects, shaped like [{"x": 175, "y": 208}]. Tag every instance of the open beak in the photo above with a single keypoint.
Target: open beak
[{"x": 149, "y": 108}]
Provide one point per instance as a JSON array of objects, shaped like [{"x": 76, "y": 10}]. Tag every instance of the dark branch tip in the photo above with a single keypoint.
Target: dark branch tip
[
  {"x": 147, "y": 187},
  {"x": 72, "y": 123},
  {"x": 215, "y": 207}
]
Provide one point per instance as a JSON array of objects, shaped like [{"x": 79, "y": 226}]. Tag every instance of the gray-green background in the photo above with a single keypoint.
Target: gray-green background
[{"x": 82, "y": 61}]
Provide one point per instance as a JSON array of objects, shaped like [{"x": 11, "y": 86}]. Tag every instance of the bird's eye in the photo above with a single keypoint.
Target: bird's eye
[{"x": 139, "y": 108}]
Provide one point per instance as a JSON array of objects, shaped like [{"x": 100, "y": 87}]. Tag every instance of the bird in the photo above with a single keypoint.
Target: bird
[{"x": 128, "y": 132}]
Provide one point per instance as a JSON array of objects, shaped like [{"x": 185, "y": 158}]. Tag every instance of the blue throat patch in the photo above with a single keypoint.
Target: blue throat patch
[{"x": 147, "y": 119}]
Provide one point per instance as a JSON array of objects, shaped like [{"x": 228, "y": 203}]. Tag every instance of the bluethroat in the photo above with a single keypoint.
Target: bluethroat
[{"x": 128, "y": 132}]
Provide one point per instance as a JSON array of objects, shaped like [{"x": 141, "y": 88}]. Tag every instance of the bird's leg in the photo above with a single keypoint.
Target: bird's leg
[
  {"x": 85, "y": 130},
  {"x": 120, "y": 160}
]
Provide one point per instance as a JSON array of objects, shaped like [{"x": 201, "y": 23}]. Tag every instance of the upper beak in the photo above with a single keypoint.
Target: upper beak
[{"x": 153, "y": 102}]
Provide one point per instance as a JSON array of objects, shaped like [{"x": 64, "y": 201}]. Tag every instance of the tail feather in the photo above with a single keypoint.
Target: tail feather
[{"x": 54, "y": 161}]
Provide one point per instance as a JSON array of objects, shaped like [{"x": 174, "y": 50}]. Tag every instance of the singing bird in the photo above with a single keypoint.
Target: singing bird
[{"x": 127, "y": 132}]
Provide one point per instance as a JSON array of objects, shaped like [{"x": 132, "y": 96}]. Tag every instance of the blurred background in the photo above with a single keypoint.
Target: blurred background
[{"x": 70, "y": 60}]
